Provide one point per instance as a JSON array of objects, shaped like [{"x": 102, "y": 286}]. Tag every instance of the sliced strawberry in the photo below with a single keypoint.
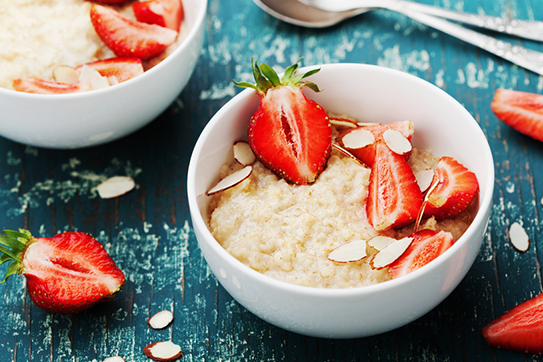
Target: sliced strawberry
[
  {"x": 129, "y": 38},
  {"x": 426, "y": 246},
  {"x": 40, "y": 86},
  {"x": 166, "y": 13},
  {"x": 290, "y": 134},
  {"x": 520, "y": 329},
  {"x": 520, "y": 110},
  {"x": 367, "y": 154},
  {"x": 394, "y": 197},
  {"x": 454, "y": 193},
  {"x": 67, "y": 273},
  {"x": 122, "y": 68}
]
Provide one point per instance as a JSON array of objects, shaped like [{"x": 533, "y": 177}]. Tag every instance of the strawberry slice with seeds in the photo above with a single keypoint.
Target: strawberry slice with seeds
[
  {"x": 425, "y": 247},
  {"x": 456, "y": 189},
  {"x": 367, "y": 154},
  {"x": 127, "y": 37},
  {"x": 290, "y": 134},
  {"x": 67, "y": 273},
  {"x": 166, "y": 13},
  {"x": 122, "y": 68},
  {"x": 521, "y": 110},
  {"x": 394, "y": 197},
  {"x": 41, "y": 86},
  {"x": 520, "y": 329}
]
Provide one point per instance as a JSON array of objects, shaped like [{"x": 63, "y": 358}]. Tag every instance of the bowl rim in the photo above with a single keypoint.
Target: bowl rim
[
  {"x": 197, "y": 219},
  {"x": 199, "y": 20}
]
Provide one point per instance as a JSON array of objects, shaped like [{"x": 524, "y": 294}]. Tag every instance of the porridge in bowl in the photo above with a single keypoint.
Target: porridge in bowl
[{"x": 327, "y": 229}]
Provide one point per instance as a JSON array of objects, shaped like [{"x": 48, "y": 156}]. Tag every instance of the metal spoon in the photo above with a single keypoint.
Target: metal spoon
[{"x": 297, "y": 13}]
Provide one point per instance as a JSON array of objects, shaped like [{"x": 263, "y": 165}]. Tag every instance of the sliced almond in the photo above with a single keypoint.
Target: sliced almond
[
  {"x": 358, "y": 138},
  {"x": 366, "y": 124},
  {"x": 352, "y": 251},
  {"x": 161, "y": 319},
  {"x": 424, "y": 179},
  {"x": 243, "y": 153},
  {"x": 518, "y": 237},
  {"x": 65, "y": 74},
  {"x": 112, "y": 80},
  {"x": 163, "y": 351},
  {"x": 347, "y": 153},
  {"x": 380, "y": 242},
  {"x": 115, "y": 186},
  {"x": 342, "y": 123},
  {"x": 114, "y": 359},
  {"x": 231, "y": 180},
  {"x": 432, "y": 187},
  {"x": 397, "y": 142},
  {"x": 391, "y": 253},
  {"x": 91, "y": 75}
]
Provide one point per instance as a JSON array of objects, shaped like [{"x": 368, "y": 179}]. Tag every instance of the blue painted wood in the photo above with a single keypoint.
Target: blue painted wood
[{"x": 148, "y": 231}]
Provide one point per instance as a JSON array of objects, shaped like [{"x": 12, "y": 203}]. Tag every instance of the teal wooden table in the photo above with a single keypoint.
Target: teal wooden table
[{"x": 149, "y": 234}]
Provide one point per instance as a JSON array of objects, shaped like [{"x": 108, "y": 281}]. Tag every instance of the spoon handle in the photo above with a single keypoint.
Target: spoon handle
[{"x": 526, "y": 58}]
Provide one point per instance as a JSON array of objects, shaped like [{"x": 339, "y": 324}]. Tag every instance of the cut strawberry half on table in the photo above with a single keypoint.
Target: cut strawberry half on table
[
  {"x": 290, "y": 134},
  {"x": 394, "y": 197},
  {"x": 40, "y": 86},
  {"x": 367, "y": 154},
  {"x": 521, "y": 110},
  {"x": 520, "y": 329},
  {"x": 67, "y": 273},
  {"x": 425, "y": 247},
  {"x": 166, "y": 13},
  {"x": 122, "y": 68},
  {"x": 127, "y": 37},
  {"x": 456, "y": 190}
]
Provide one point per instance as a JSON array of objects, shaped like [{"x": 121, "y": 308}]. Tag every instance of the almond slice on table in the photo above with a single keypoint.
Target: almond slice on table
[
  {"x": 518, "y": 237},
  {"x": 389, "y": 254},
  {"x": 243, "y": 153},
  {"x": 397, "y": 142},
  {"x": 163, "y": 351},
  {"x": 160, "y": 319},
  {"x": 231, "y": 180},
  {"x": 114, "y": 359},
  {"x": 352, "y": 251},
  {"x": 65, "y": 74},
  {"x": 424, "y": 178},
  {"x": 115, "y": 186},
  {"x": 358, "y": 138},
  {"x": 380, "y": 242}
]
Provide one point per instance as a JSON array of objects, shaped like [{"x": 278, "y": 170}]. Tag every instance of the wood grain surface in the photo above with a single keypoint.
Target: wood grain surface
[{"x": 149, "y": 234}]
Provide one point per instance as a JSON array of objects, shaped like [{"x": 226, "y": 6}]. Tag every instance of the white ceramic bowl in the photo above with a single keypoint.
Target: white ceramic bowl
[
  {"x": 95, "y": 117},
  {"x": 372, "y": 94}
]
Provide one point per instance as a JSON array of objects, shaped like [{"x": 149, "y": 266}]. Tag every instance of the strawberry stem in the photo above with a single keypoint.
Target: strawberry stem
[{"x": 14, "y": 243}]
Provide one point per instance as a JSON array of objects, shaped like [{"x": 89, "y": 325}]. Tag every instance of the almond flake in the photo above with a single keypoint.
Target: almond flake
[
  {"x": 163, "y": 351},
  {"x": 91, "y": 75},
  {"x": 342, "y": 123},
  {"x": 431, "y": 189},
  {"x": 243, "y": 153},
  {"x": 161, "y": 319},
  {"x": 424, "y": 179},
  {"x": 380, "y": 242},
  {"x": 518, "y": 237},
  {"x": 367, "y": 124},
  {"x": 391, "y": 253},
  {"x": 352, "y": 251},
  {"x": 348, "y": 154},
  {"x": 114, "y": 359},
  {"x": 231, "y": 180},
  {"x": 65, "y": 74},
  {"x": 358, "y": 138},
  {"x": 396, "y": 141},
  {"x": 115, "y": 186}
]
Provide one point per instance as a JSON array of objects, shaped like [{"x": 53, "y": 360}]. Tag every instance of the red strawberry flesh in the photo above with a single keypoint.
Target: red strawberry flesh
[
  {"x": 165, "y": 13},
  {"x": 520, "y": 329},
  {"x": 123, "y": 68},
  {"x": 40, "y": 86},
  {"x": 521, "y": 110}
]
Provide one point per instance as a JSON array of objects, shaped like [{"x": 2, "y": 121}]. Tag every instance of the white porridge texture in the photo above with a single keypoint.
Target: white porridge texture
[{"x": 286, "y": 231}]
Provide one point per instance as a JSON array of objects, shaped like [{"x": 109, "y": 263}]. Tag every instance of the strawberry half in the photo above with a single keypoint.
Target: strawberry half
[
  {"x": 520, "y": 329},
  {"x": 67, "y": 273},
  {"x": 367, "y": 154},
  {"x": 425, "y": 247},
  {"x": 290, "y": 134},
  {"x": 166, "y": 13},
  {"x": 521, "y": 110},
  {"x": 394, "y": 197},
  {"x": 122, "y": 68},
  {"x": 127, "y": 37},
  {"x": 40, "y": 86},
  {"x": 454, "y": 193}
]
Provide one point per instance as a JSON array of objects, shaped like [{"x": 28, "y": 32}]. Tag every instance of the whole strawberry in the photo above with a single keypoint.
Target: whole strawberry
[
  {"x": 290, "y": 134},
  {"x": 67, "y": 273}
]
